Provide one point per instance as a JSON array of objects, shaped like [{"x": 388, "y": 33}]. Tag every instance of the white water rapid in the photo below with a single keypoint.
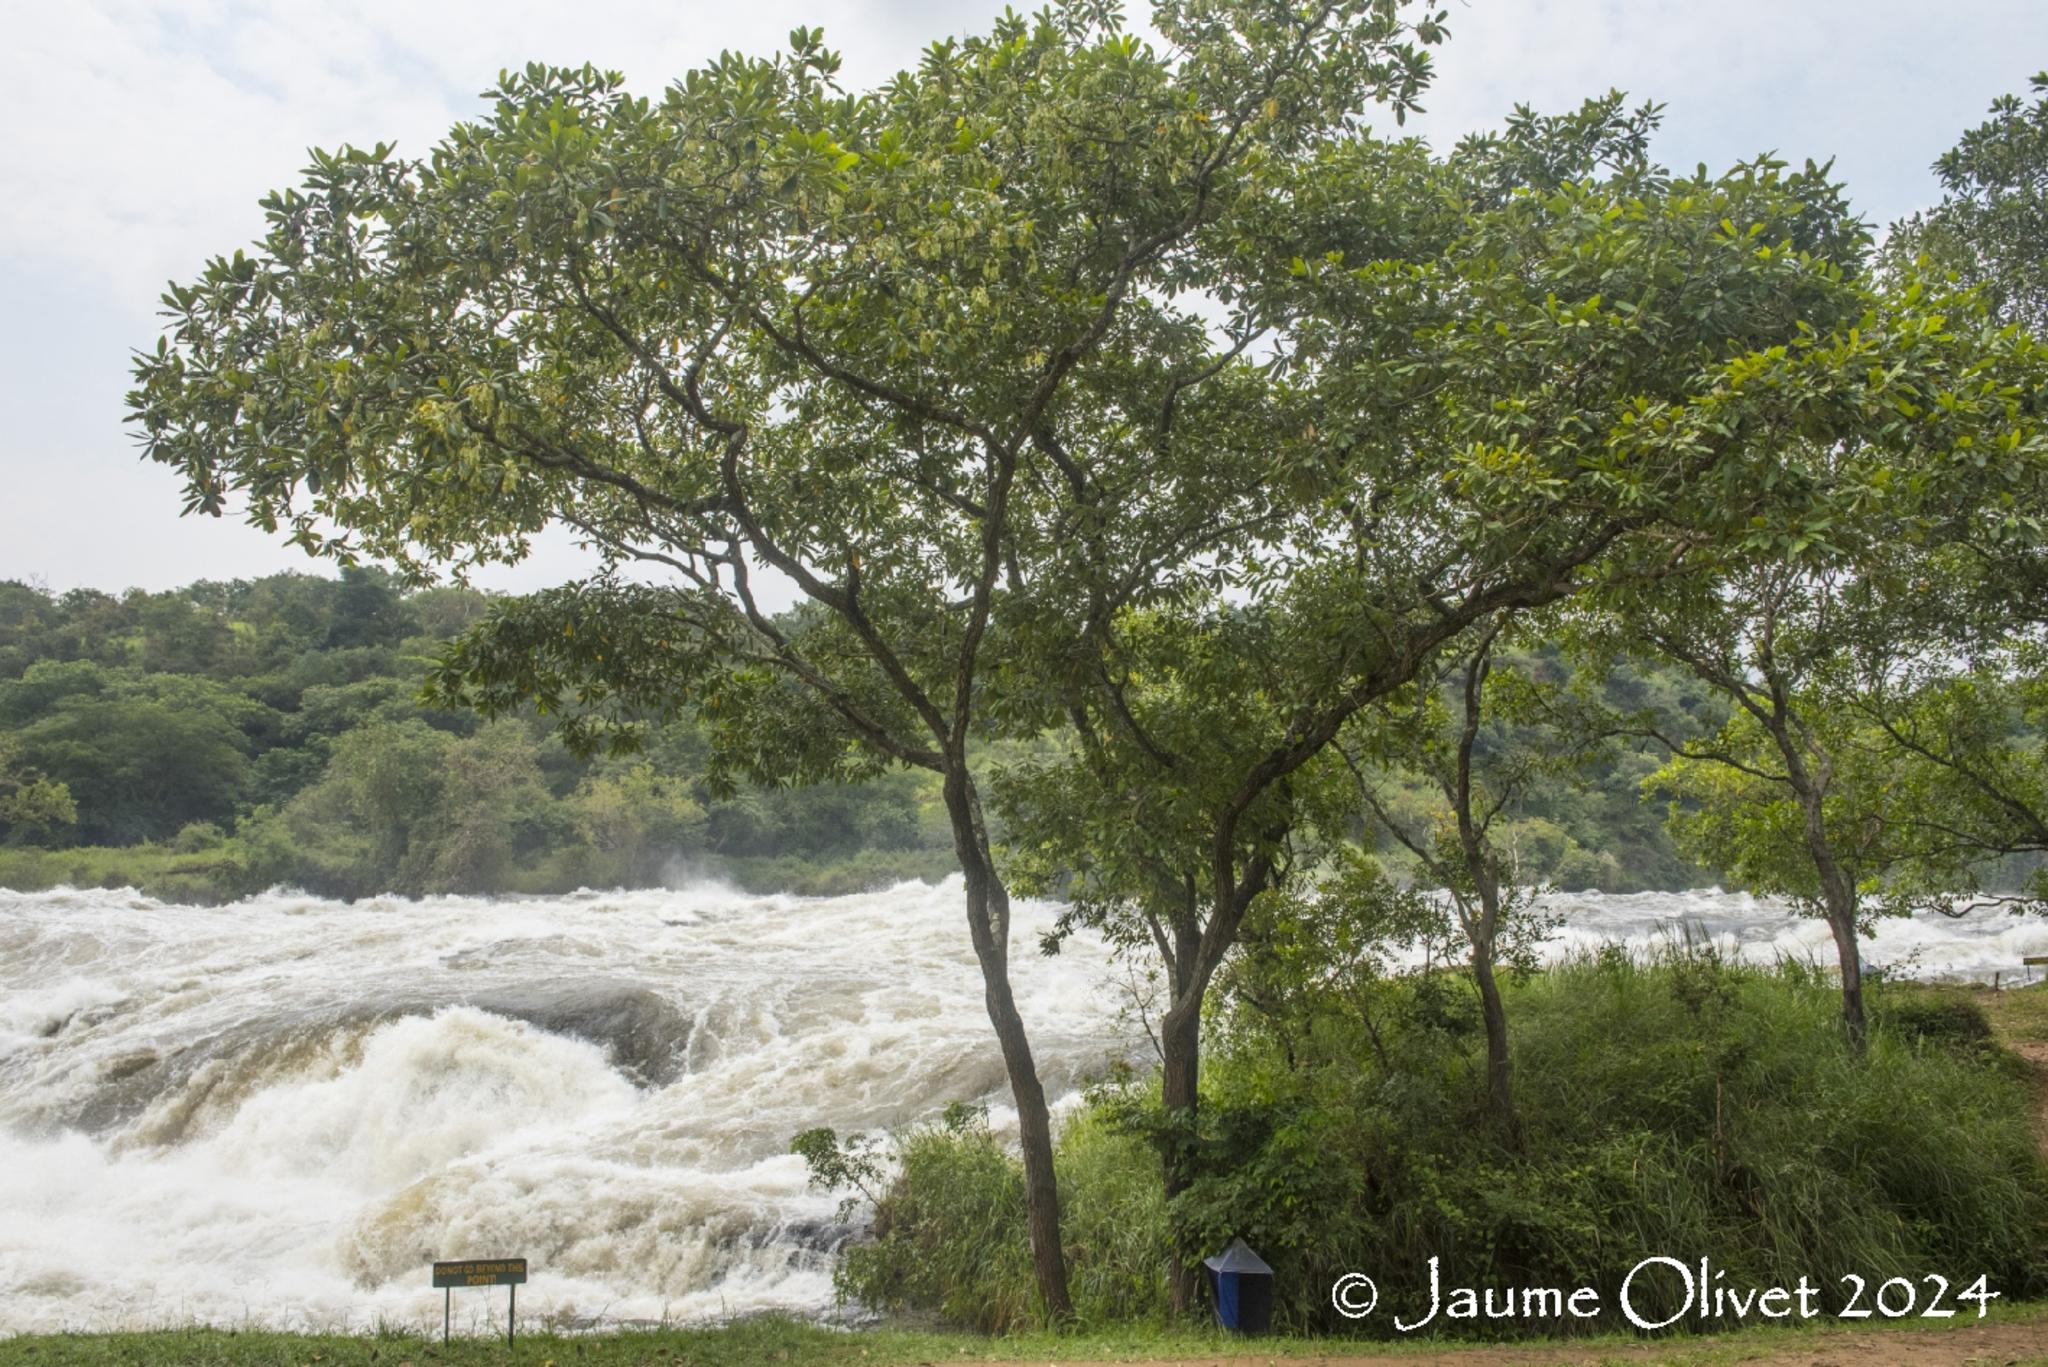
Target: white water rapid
[{"x": 281, "y": 1111}]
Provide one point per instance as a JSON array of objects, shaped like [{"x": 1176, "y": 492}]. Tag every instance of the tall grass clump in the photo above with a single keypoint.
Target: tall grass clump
[
  {"x": 1688, "y": 1107},
  {"x": 945, "y": 1238},
  {"x": 948, "y": 1232},
  {"x": 1778, "y": 1152}
]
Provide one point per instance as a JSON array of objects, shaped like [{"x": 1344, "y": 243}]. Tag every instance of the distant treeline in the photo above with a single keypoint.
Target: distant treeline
[
  {"x": 221, "y": 738},
  {"x": 226, "y": 737}
]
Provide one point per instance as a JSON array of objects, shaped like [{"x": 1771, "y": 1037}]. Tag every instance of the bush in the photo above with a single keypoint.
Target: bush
[
  {"x": 196, "y": 837},
  {"x": 1688, "y": 1108},
  {"x": 1947, "y": 1022},
  {"x": 947, "y": 1237},
  {"x": 1113, "y": 1219},
  {"x": 213, "y": 874}
]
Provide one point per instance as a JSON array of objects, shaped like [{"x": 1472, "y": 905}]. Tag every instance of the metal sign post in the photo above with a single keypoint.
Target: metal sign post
[{"x": 505, "y": 1272}]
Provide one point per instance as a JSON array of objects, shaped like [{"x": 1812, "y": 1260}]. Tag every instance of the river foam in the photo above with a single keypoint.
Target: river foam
[{"x": 282, "y": 1110}]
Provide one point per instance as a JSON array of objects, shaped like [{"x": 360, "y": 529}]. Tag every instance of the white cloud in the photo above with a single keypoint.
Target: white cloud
[
  {"x": 164, "y": 123},
  {"x": 1883, "y": 85},
  {"x": 151, "y": 129}
]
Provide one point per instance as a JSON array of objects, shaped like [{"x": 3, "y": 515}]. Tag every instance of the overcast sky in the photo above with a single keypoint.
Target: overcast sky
[{"x": 145, "y": 132}]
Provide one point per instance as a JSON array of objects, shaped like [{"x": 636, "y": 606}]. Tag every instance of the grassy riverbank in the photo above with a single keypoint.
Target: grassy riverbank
[
  {"x": 1686, "y": 1107},
  {"x": 2010, "y": 1334}
]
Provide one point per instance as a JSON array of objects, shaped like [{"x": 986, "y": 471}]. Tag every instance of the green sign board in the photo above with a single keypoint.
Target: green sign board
[
  {"x": 506, "y": 1272},
  {"x": 481, "y": 1272}
]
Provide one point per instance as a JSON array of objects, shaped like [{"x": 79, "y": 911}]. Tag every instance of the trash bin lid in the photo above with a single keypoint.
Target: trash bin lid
[{"x": 1238, "y": 1258}]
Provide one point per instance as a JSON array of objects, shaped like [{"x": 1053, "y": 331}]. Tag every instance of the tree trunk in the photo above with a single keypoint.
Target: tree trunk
[
  {"x": 1838, "y": 898},
  {"x": 1180, "y": 1044},
  {"x": 988, "y": 920},
  {"x": 1809, "y": 784},
  {"x": 1499, "y": 1093},
  {"x": 1483, "y": 933},
  {"x": 1850, "y": 952},
  {"x": 1034, "y": 1137}
]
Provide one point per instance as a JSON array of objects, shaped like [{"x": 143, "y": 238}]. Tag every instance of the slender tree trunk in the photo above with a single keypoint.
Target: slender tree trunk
[
  {"x": 1180, "y": 1044},
  {"x": 988, "y": 919},
  {"x": 1838, "y": 899},
  {"x": 1850, "y": 951},
  {"x": 1034, "y": 1136},
  {"x": 1499, "y": 1091},
  {"x": 1809, "y": 783},
  {"x": 1483, "y": 932}
]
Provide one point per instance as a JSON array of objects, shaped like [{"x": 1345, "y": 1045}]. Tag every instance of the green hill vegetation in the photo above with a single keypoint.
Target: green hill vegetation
[{"x": 216, "y": 740}]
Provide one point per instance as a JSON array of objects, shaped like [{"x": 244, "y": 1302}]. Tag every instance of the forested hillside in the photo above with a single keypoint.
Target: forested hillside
[{"x": 225, "y": 737}]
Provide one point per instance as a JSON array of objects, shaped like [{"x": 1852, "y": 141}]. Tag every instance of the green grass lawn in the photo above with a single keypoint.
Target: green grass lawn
[
  {"x": 2019, "y": 1015},
  {"x": 786, "y": 1343}
]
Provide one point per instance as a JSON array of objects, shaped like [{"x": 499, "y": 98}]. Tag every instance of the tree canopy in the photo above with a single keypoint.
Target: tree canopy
[{"x": 1065, "y": 381}]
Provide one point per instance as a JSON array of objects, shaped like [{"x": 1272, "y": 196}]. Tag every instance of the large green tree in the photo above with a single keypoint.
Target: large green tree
[
  {"x": 1991, "y": 226},
  {"x": 1792, "y": 797},
  {"x": 140, "y": 754},
  {"x": 763, "y": 335},
  {"x": 1956, "y": 685},
  {"x": 1540, "y": 363},
  {"x": 1777, "y": 613}
]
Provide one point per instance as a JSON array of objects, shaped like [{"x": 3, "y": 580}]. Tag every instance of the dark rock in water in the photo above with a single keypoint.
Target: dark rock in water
[
  {"x": 640, "y": 1029},
  {"x": 84, "y": 1016},
  {"x": 128, "y": 1065},
  {"x": 814, "y": 1235},
  {"x": 643, "y": 1035}
]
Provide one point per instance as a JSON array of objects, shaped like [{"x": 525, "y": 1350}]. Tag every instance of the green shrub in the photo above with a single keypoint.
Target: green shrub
[
  {"x": 947, "y": 1236},
  {"x": 1688, "y": 1108},
  {"x": 1948, "y": 1022},
  {"x": 1113, "y": 1219},
  {"x": 197, "y": 836},
  {"x": 214, "y": 873}
]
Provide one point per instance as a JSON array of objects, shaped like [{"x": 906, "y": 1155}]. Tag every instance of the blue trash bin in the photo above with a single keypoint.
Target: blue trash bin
[{"x": 1243, "y": 1287}]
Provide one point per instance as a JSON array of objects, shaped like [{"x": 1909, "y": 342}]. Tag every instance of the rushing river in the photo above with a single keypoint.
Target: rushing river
[{"x": 281, "y": 1111}]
